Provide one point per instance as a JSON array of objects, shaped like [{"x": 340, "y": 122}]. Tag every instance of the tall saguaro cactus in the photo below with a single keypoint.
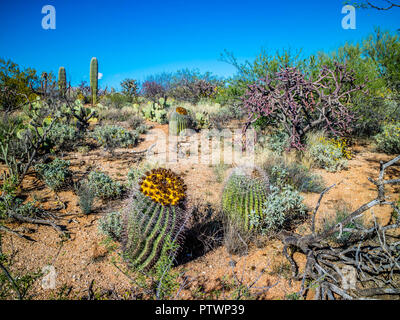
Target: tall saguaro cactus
[
  {"x": 62, "y": 81},
  {"x": 94, "y": 76}
]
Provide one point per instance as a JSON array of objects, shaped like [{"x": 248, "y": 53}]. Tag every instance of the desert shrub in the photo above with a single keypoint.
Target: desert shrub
[
  {"x": 63, "y": 136},
  {"x": 388, "y": 140},
  {"x": 110, "y": 225},
  {"x": 329, "y": 154},
  {"x": 134, "y": 176},
  {"x": 104, "y": 187},
  {"x": 115, "y": 100},
  {"x": 224, "y": 115},
  {"x": 86, "y": 194},
  {"x": 137, "y": 123},
  {"x": 55, "y": 174},
  {"x": 281, "y": 207},
  {"x": 112, "y": 136},
  {"x": 281, "y": 173}
]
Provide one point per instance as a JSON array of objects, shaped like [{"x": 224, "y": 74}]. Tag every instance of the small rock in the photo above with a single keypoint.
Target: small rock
[{"x": 232, "y": 263}]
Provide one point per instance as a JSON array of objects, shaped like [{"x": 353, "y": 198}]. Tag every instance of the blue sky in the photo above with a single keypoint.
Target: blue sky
[{"x": 136, "y": 38}]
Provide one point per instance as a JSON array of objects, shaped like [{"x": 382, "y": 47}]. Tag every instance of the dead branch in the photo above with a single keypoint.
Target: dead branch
[{"x": 370, "y": 253}]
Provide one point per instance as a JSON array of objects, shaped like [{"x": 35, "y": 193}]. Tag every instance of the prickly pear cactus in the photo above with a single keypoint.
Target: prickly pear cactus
[
  {"x": 154, "y": 218},
  {"x": 178, "y": 121},
  {"x": 153, "y": 112},
  {"x": 243, "y": 197}
]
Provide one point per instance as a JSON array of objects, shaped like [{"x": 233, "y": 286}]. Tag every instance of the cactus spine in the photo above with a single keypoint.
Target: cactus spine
[
  {"x": 154, "y": 218},
  {"x": 243, "y": 198},
  {"x": 179, "y": 121},
  {"x": 62, "y": 81},
  {"x": 94, "y": 76}
]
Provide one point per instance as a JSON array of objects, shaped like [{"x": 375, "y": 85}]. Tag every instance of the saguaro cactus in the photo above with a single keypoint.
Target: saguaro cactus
[
  {"x": 154, "y": 218},
  {"x": 94, "y": 76},
  {"x": 62, "y": 81},
  {"x": 243, "y": 198}
]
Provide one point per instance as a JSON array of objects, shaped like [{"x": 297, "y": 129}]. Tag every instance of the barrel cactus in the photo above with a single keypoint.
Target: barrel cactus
[
  {"x": 178, "y": 121},
  {"x": 243, "y": 197},
  {"x": 62, "y": 81},
  {"x": 94, "y": 76},
  {"x": 154, "y": 219}
]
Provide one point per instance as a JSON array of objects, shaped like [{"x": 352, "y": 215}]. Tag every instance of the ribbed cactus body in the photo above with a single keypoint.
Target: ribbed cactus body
[
  {"x": 153, "y": 219},
  {"x": 178, "y": 122},
  {"x": 62, "y": 81},
  {"x": 147, "y": 227},
  {"x": 243, "y": 198},
  {"x": 94, "y": 76}
]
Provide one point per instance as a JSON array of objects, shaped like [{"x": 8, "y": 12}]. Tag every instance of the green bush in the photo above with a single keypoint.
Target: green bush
[
  {"x": 329, "y": 154},
  {"x": 110, "y": 136},
  {"x": 104, "y": 187},
  {"x": 298, "y": 176},
  {"x": 55, "y": 174},
  {"x": 278, "y": 142},
  {"x": 388, "y": 141},
  {"x": 110, "y": 225},
  {"x": 281, "y": 207},
  {"x": 62, "y": 136}
]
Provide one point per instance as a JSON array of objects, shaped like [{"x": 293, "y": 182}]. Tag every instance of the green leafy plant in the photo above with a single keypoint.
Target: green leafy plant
[
  {"x": 388, "y": 140},
  {"x": 111, "y": 225},
  {"x": 112, "y": 136},
  {"x": 63, "y": 136},
  {"x": 281, "y": 207},
  {"x": 104, "y": 187},
  {"x": 55, "y": 174},
  {"x": 329, "y": 154},
  {"x": 282, "y": 173}
]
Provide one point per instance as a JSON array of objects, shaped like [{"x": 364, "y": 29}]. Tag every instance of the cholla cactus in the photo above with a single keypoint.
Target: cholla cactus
[
  {"x": 153, "y": 219},
  {"x": 243, "y": 197},
  {"x": 178, "y": 121}
]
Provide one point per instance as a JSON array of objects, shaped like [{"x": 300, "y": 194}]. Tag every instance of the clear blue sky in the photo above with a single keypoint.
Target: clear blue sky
[{"x": 137, "y": 38}]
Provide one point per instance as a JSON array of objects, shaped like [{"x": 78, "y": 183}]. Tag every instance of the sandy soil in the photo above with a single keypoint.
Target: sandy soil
[{"x": 85, "y": 257}]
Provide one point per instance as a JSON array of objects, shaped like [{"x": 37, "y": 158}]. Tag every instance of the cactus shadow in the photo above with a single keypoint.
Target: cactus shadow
[{"x": 203, "y": 234}]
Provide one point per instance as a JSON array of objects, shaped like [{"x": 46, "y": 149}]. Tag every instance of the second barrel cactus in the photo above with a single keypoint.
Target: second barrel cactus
[{"x": 243, "y": 198}]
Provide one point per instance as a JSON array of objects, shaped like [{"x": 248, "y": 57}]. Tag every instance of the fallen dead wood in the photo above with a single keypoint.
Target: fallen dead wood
[{"x": 370, "y": 254}]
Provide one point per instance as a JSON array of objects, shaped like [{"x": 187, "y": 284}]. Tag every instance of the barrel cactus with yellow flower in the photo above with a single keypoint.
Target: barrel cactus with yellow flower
[
  {"x": 154, "y": 218},
  {"x": 178, "y": 121}
]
